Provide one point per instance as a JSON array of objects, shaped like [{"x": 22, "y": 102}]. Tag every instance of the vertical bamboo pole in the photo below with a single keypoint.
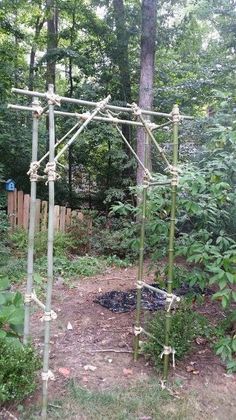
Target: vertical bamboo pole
[
  {"x": 50, "y": 169},
  {"x": 31, "y": 234},
  {"x": 141, "y": 255},
  {"x": 175, "y": 116}
]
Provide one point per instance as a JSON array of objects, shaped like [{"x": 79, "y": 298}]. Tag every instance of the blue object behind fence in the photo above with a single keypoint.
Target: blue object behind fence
[{"x": 10, "y": 185}]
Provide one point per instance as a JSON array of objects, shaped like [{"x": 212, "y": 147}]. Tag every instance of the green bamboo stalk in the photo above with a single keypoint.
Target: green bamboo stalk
[
  {"x": 49, "y": 258},
  {"x": 147, "y": 128},
  {"x": 175, "y": 116},
  {"x": 31, "y": 234},
  {"x": 141, "y": 255}
]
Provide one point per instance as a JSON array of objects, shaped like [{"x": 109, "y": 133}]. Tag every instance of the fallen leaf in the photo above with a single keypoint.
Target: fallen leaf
[
  {"x": 64, "y": 371},
  {"x": 127, "y": 372},
  {"x": 200, "y": 340},
  {"x": 202, "y": 351},
  {"x": 189, "y": 368},
  {"x": 195, "y": 372}
]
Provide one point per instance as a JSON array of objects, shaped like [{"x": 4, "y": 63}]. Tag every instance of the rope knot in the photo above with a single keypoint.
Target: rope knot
[
  {"x": 102, "y": 104},
  {"x": 48, "y": 375},
  {"x": 50, "y": 170},
  {"x": 49, "y": 316},
  {"x": 32, "y": 172},
  {"x": 136, "y": 110},
  {"x": 137, "y": 331},
  {"x": 139, "y": 284},
  {"x": 171, "y": 298},
  {"x": 168, "y": 350},
  {"x": 28, "y": 298},
  {"x": 53, "y": 99}
]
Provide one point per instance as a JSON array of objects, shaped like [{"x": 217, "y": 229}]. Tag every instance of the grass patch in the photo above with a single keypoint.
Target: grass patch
[{"x": 142, "y": 401}]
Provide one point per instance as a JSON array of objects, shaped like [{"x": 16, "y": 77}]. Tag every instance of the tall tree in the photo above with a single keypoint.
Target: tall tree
[
  {"x": 147, "y": 69},
  {"x": 52, "y": 39},
  {"x": 122, "y": 54}
]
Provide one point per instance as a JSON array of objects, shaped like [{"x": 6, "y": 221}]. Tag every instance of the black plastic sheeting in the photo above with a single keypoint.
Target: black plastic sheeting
[{"x": 119, "y": 301}]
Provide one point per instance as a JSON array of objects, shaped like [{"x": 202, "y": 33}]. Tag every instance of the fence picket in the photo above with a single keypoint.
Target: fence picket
[
  {"x": 56, "y": 218},
  {"x": 26, "y": 207},
  {"x": 62, "y": 219},
  {"x": 18, "y": 209}
]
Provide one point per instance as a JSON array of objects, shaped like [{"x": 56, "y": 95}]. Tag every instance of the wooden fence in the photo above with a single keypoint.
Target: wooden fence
[{"x": 18, "y": 205}]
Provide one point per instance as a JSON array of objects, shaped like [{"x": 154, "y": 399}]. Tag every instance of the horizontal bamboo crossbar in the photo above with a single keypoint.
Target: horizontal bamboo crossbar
[{"x": 90, "y": 103}]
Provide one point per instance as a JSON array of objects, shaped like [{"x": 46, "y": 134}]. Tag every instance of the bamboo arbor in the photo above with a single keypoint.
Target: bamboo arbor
[{"x": 104, "y": 112}]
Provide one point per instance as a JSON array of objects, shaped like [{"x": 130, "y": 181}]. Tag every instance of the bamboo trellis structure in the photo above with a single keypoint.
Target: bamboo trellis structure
[{"x": 104, "y": 112}]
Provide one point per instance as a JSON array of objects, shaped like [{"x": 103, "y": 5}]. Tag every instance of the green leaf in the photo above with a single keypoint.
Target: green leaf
[
  {"x": 224, "y": 302},
  {"x": 231, "y": 277},
  {"x": 4, "y": 283},
  {"x": 2, "y": 333}
]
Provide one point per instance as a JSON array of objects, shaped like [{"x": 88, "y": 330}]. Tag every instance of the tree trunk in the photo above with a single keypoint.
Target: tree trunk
[
  {"x": 122, "y": 60},
  {"x": 147, "y": 69},
  {"x": 52, "y": 24},
  {"x": 122, "y": 55},
  {"x": 70, "y": 93},
  {"x": 38, "y": 27}
]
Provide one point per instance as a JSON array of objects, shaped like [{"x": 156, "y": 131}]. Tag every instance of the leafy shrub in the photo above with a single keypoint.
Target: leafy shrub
[
  {"x": 63, "y": 243},
  {"x": 185, "y": 326},
  {"x": 122, "y": 243},
  {"x": 225, "y": 346},
  {"x": 18, "y": 366},
  {"x": 113, "y": 260},
  {"x": 15, "y": 269},
  {"x": 82, "y": 266},
  {"x": 11, "y": 311},
  {"x": 4, "y": 249}
]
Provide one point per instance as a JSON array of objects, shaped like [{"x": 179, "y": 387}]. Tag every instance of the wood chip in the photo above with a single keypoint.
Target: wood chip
[
  {"x": 64, "y": 372},
  {"x": 127, "y": 372}
]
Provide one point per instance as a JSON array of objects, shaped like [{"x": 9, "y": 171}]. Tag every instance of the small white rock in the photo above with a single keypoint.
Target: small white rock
[
  {"x": 69, "y": 326},
  {"x": 90, "y": 367}
]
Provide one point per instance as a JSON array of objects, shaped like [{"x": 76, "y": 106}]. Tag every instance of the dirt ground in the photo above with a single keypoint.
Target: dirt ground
[{"x": 94, "y": 346}]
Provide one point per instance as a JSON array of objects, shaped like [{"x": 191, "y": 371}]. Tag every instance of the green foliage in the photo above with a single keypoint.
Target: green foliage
[
  {"x": 63, "y": 243},
  {"x": 4, "y": 249},
  {"x": 113, "y": 260},
  {"x": 226, "y": 349},
  {"x": 18, "y": 367},
  {"x": 63, "y": 266},
  {"x": 186, "y": 325},
  {"x": 15, "y": 268},
  {"x": 11, "y": 311},
  {"x": 225, "y": 345}
]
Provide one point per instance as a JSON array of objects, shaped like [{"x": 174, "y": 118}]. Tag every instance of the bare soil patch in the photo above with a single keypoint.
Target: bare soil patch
[{"x": 93, "y": 345}]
